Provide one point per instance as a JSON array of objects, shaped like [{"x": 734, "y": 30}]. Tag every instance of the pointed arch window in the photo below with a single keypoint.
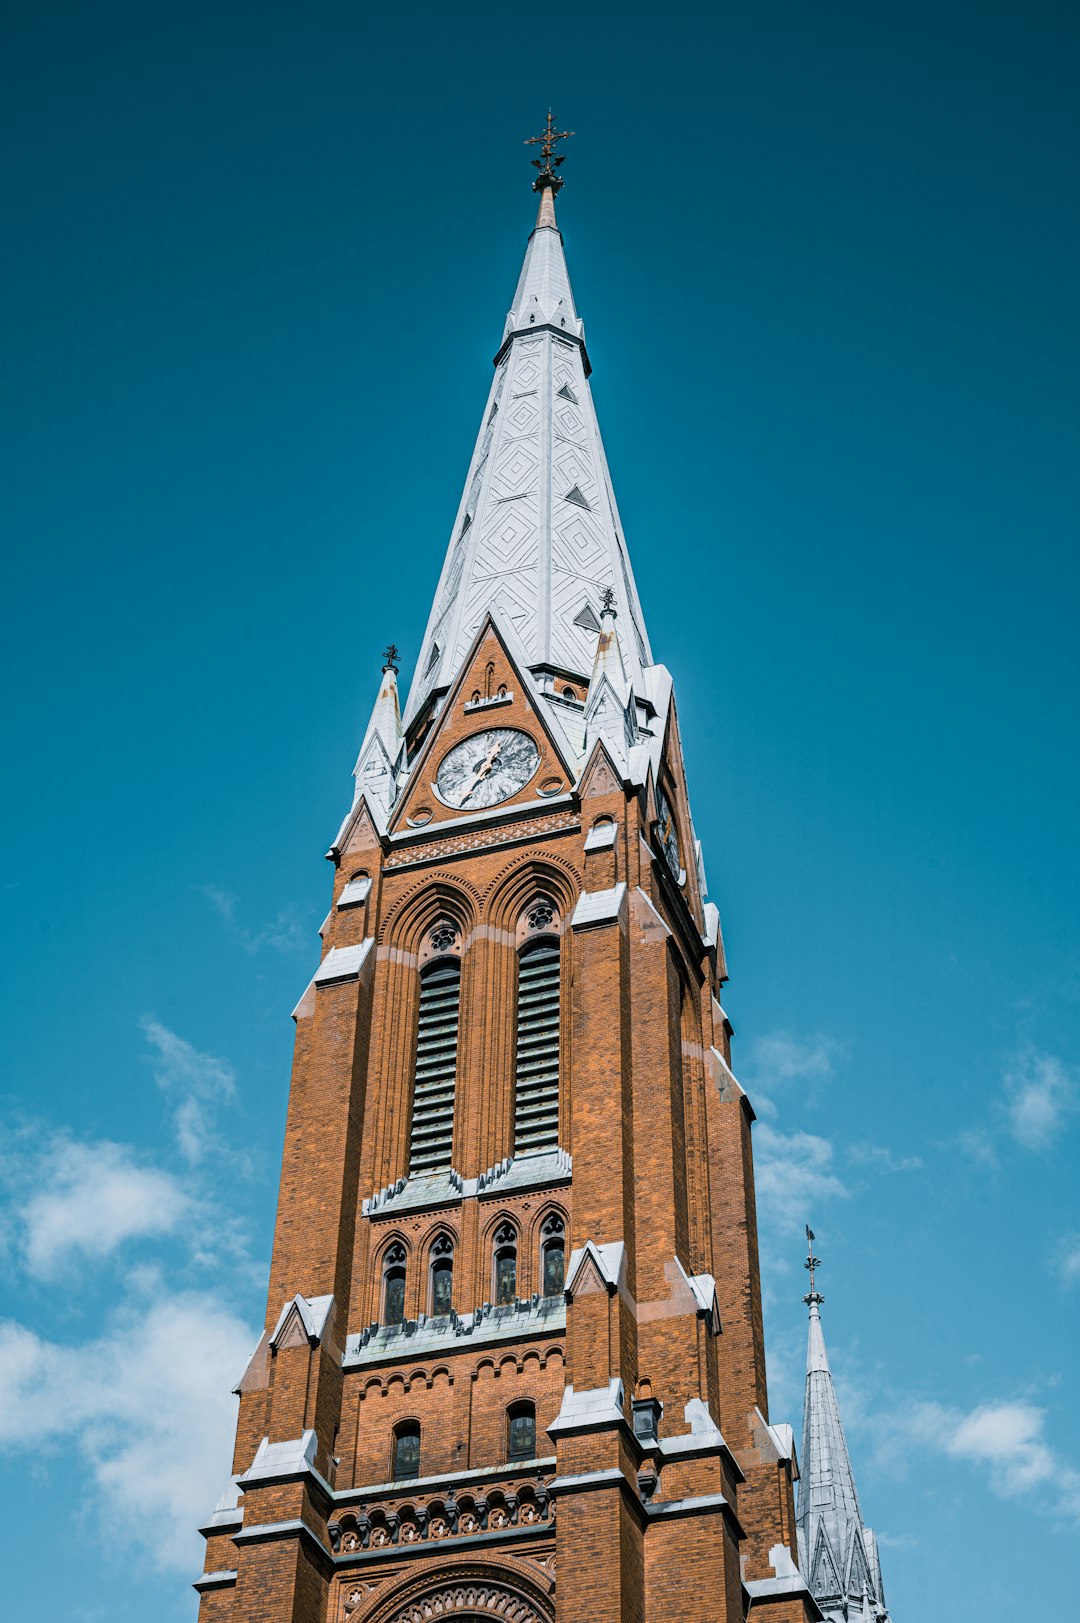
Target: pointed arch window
[
  {"x": 406, "y": 1460},
  {"x": 553, "y": 1256},
  {"x": 505, "y": 1265},
  {"x": 442, "y": 1276},
  {"x": 393, "y": 1291},
  {"x": 435, "y": 1070},
  {"x": 536, "y": 1071}
]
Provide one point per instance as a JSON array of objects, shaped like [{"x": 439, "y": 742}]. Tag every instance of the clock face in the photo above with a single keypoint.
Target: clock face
[
  {"x": 487, "y": 768},
  {"x": 669, "y": 839}
]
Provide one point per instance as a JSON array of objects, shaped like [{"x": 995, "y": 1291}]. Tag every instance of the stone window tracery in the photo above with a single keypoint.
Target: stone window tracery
[
  {"x": 553, "y": 1256},
  {"x": 442, "y": 1276},
  {"x": 393, "y": 1290},
  {"x": 505, "y": 1265}
]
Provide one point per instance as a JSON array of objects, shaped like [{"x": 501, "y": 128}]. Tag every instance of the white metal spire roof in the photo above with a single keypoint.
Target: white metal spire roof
[
  {"x": 837, "y": 1551},
  {"x": 537, "y": 536}
]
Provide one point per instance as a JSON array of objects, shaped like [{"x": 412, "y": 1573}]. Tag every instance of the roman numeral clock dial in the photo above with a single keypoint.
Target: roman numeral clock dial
[{"x": 487, "y": 768}]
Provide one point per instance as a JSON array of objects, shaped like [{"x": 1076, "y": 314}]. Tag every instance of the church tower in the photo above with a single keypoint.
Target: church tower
[
  {"x": 837, "y": 1551},
  {"x": 513, "y": 1363}
]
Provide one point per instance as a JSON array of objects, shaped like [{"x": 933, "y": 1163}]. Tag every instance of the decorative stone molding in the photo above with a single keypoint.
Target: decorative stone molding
[{"x": 482, "y": 838}]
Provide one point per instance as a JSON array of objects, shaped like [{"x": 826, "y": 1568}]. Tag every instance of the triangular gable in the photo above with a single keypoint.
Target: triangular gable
[
  {"x": 360, "y": 830},
  {"x": 824, "y": 1572},
  {"x": 493, "y": 689},
  {"x": 601, "y": 776}
]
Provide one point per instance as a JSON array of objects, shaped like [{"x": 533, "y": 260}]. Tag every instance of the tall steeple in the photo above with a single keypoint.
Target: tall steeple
[
  {"x": 837, "y": 1551},
  {"x": 537, "y": 537}
]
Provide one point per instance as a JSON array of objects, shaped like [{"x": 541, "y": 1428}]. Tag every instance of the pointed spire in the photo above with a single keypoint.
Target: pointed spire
[
  {"x": 377, "y": 764},
  {"x": 609, "y": 708},
  {"x": 537, "y": 534},
  {"x": 834, "y": 1542}
]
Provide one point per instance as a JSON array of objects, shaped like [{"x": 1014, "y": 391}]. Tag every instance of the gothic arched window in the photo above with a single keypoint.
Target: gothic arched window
[
  {"x": 393, "y": 1291},
  {"x": 432, "y": 1139},
  {"x": 521, "y": 1431},
  {"x": 553, "y": 1256},
  {"x": 442, "y": 1276},
  {"x": 406, "y": 1462},
  {"x": 536, "y": 1070},
  {"x": 505, "y": 1265}
]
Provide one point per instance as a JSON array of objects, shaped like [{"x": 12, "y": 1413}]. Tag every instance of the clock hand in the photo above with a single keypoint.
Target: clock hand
[{"x": 482, "y": 771}]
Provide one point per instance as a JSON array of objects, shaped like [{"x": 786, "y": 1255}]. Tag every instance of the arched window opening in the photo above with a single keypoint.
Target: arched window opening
[
  {"x": 394, "y": 1285},
  {"x": 521, "y": 1431},
  {"x": 442, "y": 1276},
  {"x": 505, "y": 1265},
  {"x": 536, "y": 1073},
  {"x": 432, "y": 1139},
  {"x": 553, "y": 1256},
  {"x": 406, "y": 1463}
]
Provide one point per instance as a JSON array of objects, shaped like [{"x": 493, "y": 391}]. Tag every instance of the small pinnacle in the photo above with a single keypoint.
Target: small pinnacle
[{"x": 391, "y": 657}]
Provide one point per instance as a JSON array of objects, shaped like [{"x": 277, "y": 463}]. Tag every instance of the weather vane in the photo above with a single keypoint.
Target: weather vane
[
  {"x": 814, "y": 1297},
  {"x": 548, "y": 161},
  {"x": 390, "y": 655}
]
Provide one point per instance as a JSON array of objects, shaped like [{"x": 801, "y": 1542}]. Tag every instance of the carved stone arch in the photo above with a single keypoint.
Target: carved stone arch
[
  {"x": 424, "y": 904},
  {"x": 468, "y": 1590},
  {"x": 386, "y": 1243},
  {"x": 490, "y": 1225},
  {"x": 515, "y": 886}
]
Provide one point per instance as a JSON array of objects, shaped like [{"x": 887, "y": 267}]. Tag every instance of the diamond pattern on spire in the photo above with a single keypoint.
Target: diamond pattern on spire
[{"x": 538, "y": 514}]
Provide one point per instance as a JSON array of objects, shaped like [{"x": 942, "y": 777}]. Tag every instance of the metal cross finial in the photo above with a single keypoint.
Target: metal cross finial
[
  {"x": 814, "y": 1297},
  {"x": 607, "y": 601},
  {"x": 390, "y": 655},
  {"x": 548, "y": 162}
]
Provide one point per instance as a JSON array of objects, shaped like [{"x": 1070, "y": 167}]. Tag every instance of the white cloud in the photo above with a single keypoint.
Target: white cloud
[
  {"x": 1068, "y": 1259},
  {"x": 1040, "y": 1096},
  {"x": 1009, "y": 1438},
  {"x": 197, "y": 1081},
  {"x": 777, "y": 1058},
  {"x": 288, "y": 931},
  {"x": 883, "y": 1159},
  {"x": 147, "y": 1406},
  {"x": 793, "y": 1175},
  {"x": 88, "y": 1200}
]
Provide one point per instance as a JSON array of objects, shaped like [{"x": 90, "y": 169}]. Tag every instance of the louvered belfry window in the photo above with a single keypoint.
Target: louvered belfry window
[
  {"x": 536, "y": 1081},
  {"x": 431, "y": 1144}
]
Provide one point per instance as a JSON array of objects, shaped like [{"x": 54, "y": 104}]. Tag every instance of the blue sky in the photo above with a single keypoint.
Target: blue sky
[{"x": 257, "y": 263}]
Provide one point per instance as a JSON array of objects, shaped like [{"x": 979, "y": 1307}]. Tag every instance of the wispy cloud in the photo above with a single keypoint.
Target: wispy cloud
[
  {"x": 793, "y": 1175},
  {"x": 148, "y": 1407},
  {"x": 196, "y": 1082},
  {"x": 1067, "y": 1260},
  {"x": 882, "y": 1159},
  {"x": 777, "y": 1059},
  {"x": 75, "y": 1201},
  {"x": 1040, "y": 1097},
  {"x": 288, "y": 931},
  {"x": 1008, "y": 1437}
]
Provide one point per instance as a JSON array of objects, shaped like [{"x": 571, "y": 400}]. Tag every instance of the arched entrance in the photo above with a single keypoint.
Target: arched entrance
[{"x": 473, "y": 1592}]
